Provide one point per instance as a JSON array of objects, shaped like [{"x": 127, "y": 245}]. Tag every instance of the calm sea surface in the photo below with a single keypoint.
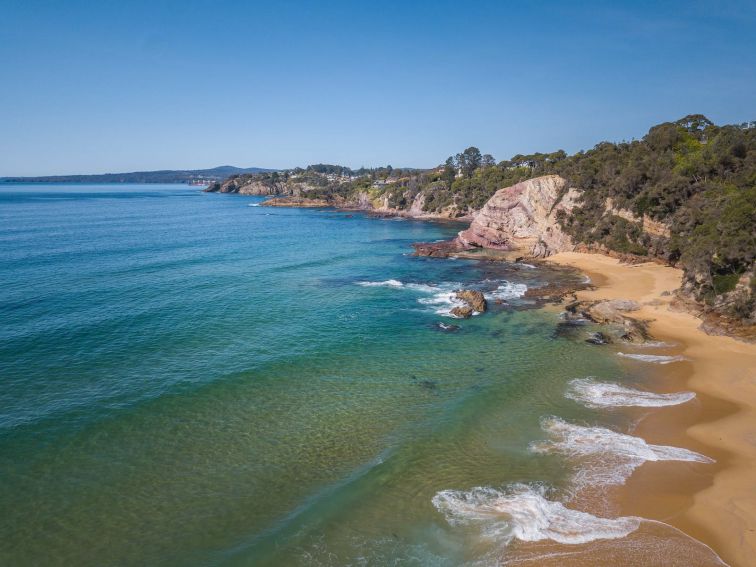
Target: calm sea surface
[{"x": 189, "y": 379}]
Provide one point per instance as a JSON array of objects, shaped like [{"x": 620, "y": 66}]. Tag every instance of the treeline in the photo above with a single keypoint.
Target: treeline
[{"x": 697, "y": 178}]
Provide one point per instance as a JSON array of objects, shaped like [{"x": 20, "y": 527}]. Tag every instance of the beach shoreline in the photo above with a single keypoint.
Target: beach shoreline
[{"x": 721, "y": 512}]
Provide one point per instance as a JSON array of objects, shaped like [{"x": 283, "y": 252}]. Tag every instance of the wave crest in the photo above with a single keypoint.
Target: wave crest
[
  {"x": 386, "y": 283},
  {"x": 655, "y": 358},
  {"x": 523, "y": 512},
  {"x": 442, "y": 297},
  {"x": 610, "y": 457},
  {"x": 607, "y": 394}
]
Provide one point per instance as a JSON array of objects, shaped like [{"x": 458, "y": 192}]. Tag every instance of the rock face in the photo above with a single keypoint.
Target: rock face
[
  {"x": 523, "y": 217},
  {"x": 241, "y": 186},
  {"x": 647, "y": 224},
  {"x": 298, "y": 202}
]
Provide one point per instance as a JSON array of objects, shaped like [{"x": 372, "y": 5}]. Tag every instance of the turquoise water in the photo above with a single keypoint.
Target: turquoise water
[{"x": 190, "y": 380}]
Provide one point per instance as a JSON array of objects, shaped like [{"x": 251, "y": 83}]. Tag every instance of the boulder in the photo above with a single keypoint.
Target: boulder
[
  {"x": 474, "y": 298},
  {"x": 463, "y": 311},
  {"x": 612, "y": 312},
  {"x": 598, "y": 339}
]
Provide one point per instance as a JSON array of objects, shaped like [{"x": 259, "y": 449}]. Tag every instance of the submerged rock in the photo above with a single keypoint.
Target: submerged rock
[
  {"x": 428, "y": 384},
  {"x": 447, "y": 328},
  {"x": 598, "y": 338}
]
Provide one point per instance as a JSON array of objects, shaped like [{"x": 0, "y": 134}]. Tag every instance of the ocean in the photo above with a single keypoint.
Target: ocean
[{"x": 193, "y": 379}]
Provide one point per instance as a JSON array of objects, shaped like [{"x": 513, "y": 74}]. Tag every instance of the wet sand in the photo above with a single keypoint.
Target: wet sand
[{"x": 715, "y": 504}]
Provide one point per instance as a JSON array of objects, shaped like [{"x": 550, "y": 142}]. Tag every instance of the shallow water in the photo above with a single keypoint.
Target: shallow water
[{"x": 190, "y": 380}]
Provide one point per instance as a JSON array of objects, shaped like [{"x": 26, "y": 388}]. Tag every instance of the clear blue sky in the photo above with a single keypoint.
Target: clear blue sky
[{"x": 88, "y": 87}]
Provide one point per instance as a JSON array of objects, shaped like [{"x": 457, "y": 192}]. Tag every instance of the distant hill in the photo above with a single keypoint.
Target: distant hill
[{"x": 162, "y": 176}]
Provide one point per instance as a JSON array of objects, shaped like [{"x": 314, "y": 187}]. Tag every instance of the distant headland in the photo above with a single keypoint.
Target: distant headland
[{"x": 190, "y": 176}]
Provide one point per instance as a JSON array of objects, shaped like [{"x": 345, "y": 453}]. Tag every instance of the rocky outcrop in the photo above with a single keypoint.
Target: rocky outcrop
[
  {"x": 612, "y": 312},
  {"x": 474, "y": 302},
  {"x": 647, "y": 224},
  {"x": 244, "y": 186},
  {"x": 473, "y": 298},
  {"x": 300, "y": 202},
  {"x": 524, "y": 217},
  {"x": 732, "y": 313},
  {"x": 260, "y": 186},
  {"x": 442, "y": 249}
]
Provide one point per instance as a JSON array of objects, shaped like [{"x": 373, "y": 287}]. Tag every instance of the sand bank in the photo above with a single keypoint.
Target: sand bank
[{"x": 723, "y": 368}]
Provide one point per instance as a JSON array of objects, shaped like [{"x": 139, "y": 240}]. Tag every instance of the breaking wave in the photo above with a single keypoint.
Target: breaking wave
[
  {"x": 655, "y": 344},
  {"x": 507, "y": 290},
  {"x": 386, "y": 283},
  {"x": 523, "y": 512},
  {"x": 610, "y": 457},
  {"x": 442, "y": 297},
  {"x": 655, "y": 358},
  {"x": 607, "y": 394}
]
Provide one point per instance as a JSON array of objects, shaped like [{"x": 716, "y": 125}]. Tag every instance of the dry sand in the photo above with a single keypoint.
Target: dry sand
[{"x": 723, "y": 513}]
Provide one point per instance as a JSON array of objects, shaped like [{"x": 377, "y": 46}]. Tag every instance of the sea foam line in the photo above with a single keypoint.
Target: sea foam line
[
  {"x": 608, "y": 457},
  {"x": 655, "y": 358},
  {"x": 523, "y": 512},
  {"x": 595, "y": 394}
]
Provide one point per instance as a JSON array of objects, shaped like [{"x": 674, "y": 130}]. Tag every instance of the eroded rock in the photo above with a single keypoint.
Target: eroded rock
[
  {"x": 474, "y": 299},
  {"x": 524, "y": 217}
]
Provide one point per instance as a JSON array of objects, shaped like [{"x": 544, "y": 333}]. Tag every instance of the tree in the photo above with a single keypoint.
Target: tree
[
  {"x": 450, "y": 171},
  {"x": 488, "y": 161},
  {"x": 469, "y": 160}
]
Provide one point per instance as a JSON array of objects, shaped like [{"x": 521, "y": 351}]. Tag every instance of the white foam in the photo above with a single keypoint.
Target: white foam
[
  {"x": 507, "y": 290},
  {"x": 607, "y": 394},
  {"x": 654, "y": 344},
  {"x": 655, "y": 358},
  {"x": 523, "y": 512},
  {"x": 254, "y": 205},
  {"x": 442, "y": 297},
  {"x": 387, "y": 283},
  {"x": 610, "y": 457},
  {"x": 443, "y": 302}
]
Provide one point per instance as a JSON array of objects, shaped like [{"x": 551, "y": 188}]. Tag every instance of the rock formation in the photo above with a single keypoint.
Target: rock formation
[
  {"x": 473, "y": 298},
  {"x": 524, "y": 217},
  {"x": 613, "y": 312},
  {"x": 474, "y": 302}
]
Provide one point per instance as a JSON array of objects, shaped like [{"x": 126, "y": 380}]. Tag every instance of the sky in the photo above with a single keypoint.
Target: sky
[{"x": 113, "y": 86}]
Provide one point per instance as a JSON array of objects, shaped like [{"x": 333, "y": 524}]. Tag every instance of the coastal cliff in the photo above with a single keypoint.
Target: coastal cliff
[
  {"x": 524, "y": 217},
  {"x": 682, "y": 195}
]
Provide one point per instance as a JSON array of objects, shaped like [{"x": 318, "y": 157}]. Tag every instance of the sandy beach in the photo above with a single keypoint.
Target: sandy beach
[{"x": 722, "y": 513}]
